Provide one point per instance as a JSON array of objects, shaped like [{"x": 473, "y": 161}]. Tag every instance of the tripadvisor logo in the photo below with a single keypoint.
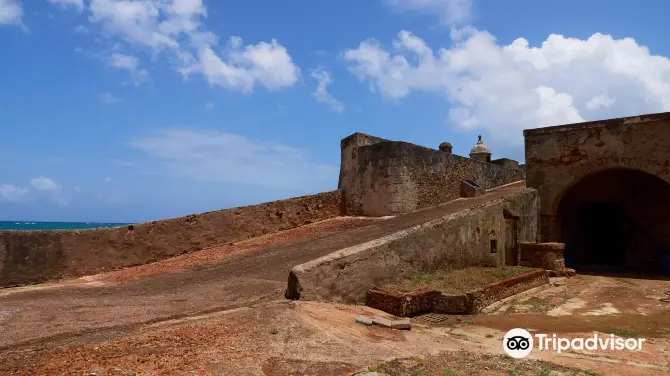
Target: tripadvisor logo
[{"x": 518, "y": 343}]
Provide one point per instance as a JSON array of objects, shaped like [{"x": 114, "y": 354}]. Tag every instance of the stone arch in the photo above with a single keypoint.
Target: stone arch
[
  {"x": 579, "y": 173},
  {"x": 615, "y": 217}
]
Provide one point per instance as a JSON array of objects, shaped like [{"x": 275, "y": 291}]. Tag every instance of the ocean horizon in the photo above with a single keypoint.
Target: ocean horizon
[{"x": 37, "y": 226}]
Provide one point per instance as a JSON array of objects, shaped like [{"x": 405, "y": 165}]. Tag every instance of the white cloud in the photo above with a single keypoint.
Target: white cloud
[
  {"x": 209, "y": 105},
  {"x": 107, "y": 179},
  {"x": 451, "y": 12},
  {"x": 132, "y": 65},
  {"x": 321, "y": 93},
  {"x": 108, "y": 98},
  {"x": 230, "y": 158},
  {"x": 504, "y": 89},
  {"x": 266, "y": 64},
  {"x": 600, "y": 101},
  {"x": 76, "y": 189},
  {"x": 11, "y": 12},
  {"x": 11, "y": 193},
  {"x": 174, "y": 28},
  {"x": 78, "y": 4},
  {"x": 44, "y": 184},
  {"x": 81, "y": 29}
]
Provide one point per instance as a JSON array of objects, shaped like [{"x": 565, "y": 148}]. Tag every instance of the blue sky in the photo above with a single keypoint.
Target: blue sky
[{"x": 133, "y": 110}]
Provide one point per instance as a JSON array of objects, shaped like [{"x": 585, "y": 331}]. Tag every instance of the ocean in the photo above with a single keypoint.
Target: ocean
[{"x": 18, "y": 225}]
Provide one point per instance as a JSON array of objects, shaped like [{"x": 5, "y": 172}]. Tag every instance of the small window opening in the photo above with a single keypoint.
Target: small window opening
[{"x": 494, "y": 246}]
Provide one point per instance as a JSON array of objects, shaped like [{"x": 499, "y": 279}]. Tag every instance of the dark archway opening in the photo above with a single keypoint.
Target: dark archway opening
[{"x": 617, "y": 220}]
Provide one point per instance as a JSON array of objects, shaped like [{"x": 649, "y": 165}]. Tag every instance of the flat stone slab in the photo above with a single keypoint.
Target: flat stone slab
[
  {"x": 364, "y": 320},
  {"x": 402, "y": 324}
]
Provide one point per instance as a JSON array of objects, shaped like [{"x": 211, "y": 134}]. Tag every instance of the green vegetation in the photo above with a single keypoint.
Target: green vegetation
[{"x": 456, "y": 281}]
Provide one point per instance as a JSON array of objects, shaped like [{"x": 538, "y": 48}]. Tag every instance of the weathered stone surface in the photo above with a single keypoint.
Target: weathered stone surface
[
  {"x": 364, "y": 320},
  {"x": 458, "y": 239},
  {"x": 402, "y": 305},
  {"x": 559, "y": 157},
  {"x": 469, "y": 303},
  {"x": 382, "y": 177},
  {"x": 383, "y": 322},
  {"x": 471, "y": 189},
  {"x": 567, "y": 272},
  {"x": 402, "y": 324},
  {"x": 542, "y": 255},
  {"x": 453, "y": 304},
  {"x": 35, "y": 256},
  {"x": 492, "y": 293}
]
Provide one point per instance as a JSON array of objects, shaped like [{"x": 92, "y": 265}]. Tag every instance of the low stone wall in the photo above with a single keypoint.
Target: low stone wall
[
  {"x": 410, "y": 304},
  {"x": 542, "y": 255},
  {"x": 459, "y": 239},
  {"x": 36, "y": 256},
  {"x": 492, "y": 293},
  {"x": 453, "y": 304},
  {"x": 382, "y": 177},
  {"x": 403, "y": 305}
]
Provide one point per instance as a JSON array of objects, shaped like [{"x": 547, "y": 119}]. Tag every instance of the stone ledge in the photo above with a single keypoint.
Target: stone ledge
[{"x": 424, "y": 301}]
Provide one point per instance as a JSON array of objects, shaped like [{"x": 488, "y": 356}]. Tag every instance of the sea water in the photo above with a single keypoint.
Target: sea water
[{"x": 20, "y": 225}]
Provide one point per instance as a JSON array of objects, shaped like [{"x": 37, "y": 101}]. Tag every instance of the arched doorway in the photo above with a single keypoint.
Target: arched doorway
[{"x": 619, "y": 220}]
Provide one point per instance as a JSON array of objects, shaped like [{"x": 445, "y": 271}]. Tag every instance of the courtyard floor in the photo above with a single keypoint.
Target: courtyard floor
[{"x": 278, "y": 337}]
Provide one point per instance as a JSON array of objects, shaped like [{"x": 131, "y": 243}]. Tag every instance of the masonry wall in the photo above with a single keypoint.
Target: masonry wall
[
  {"x": 350, "y": 176},
  {"x": 35, "y": 256},
  {"x": 559, "y": 157},
  {"x": 387, "y": 177},
  {"x": 459, "y": 239}
]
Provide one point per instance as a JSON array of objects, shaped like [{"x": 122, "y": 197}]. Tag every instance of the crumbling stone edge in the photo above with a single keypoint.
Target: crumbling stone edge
[{"x": 472, "y": 302}]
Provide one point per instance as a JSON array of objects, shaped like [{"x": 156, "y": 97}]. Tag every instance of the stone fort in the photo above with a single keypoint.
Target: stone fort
[{"x": 600, "y": 188}]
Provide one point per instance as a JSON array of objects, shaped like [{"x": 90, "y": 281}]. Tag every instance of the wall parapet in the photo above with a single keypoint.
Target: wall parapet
[{"x": 36, "y": 256}]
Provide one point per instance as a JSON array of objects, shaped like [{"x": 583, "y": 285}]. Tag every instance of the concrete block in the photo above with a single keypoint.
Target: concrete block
[
  {"x": 403, "y": 324},
  {"x": 364, "y": 320},
  {"x": 380, "y": 321}
]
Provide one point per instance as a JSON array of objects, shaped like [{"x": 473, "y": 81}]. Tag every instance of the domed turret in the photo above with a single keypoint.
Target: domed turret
[
  {"x": 445, "y": 147},
  {"x": 480, "y": 152}
]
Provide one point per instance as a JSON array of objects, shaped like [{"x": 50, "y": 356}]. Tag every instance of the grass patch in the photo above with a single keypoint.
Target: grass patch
[
  {"x": 490, "y": 336},
  {"x": 455, "y": 281},
  {"x": 538, "y": 304}
]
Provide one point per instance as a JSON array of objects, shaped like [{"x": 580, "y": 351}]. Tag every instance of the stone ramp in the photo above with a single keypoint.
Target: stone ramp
[
  {"x": 243, "y": 279},
  {"x": 463, "y": 232}
]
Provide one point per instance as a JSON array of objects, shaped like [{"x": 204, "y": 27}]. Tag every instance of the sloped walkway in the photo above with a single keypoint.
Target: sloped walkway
[{"x": 224, "y": 278}]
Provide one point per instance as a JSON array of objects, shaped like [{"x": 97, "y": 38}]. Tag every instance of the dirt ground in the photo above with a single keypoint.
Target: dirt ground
[
  {"x": 281, "y": 338},
  {"x": 464, "y": 363},
  {"x": 455, "y": 281}
]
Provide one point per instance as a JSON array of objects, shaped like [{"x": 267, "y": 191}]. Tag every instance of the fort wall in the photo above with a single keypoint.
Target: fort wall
[
  {"x": 36, "y": 256},
  {"x": 382, "y": 177}
]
